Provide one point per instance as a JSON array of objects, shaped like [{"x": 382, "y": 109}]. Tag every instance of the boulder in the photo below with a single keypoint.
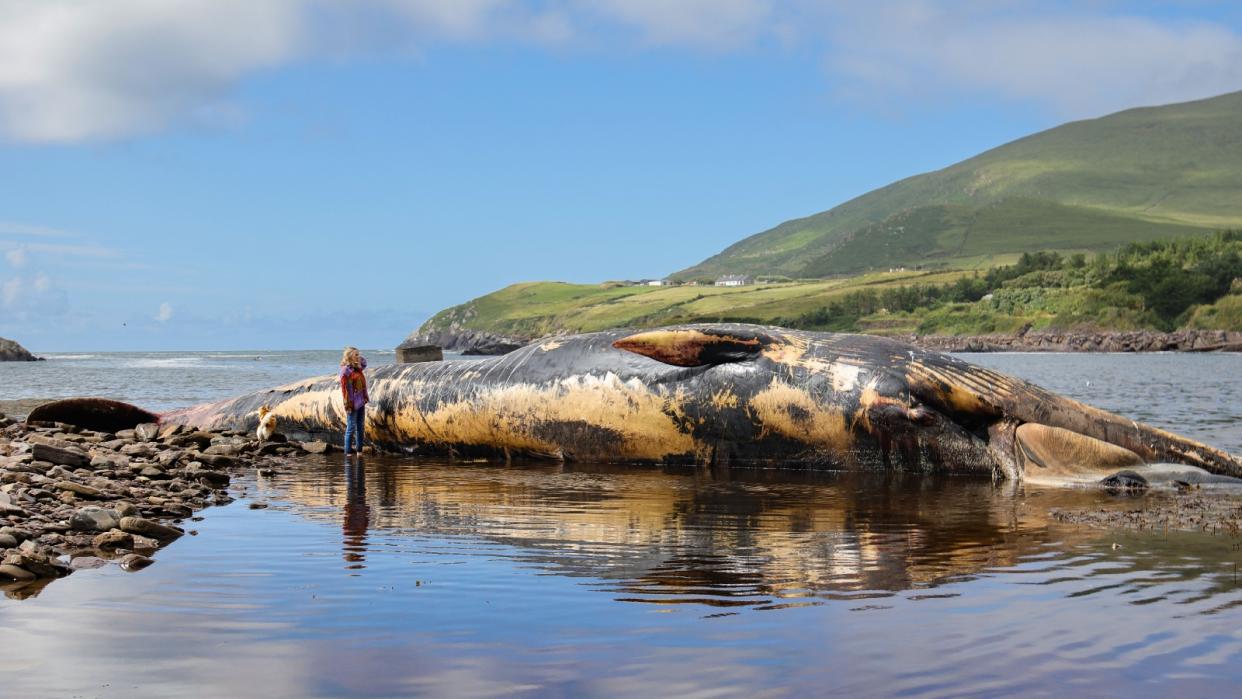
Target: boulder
[
  {"x": 63, "y": 456},
  {"x": 95, "y": 519},
  {"x": 146, "y": 527},
  {"x": 147, "y": 431},
  {"x": 10, "y": 351},
  {"x": 114, "y": 539}
]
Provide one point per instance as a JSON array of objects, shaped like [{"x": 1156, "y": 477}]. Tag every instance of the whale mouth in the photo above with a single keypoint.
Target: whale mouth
[{"x": 101, "y": 414}]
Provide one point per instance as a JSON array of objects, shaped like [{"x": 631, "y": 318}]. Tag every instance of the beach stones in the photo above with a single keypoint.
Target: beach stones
[
  {"x": 67, "y": 491},
  {"x": 109, "y": 461},
  {"x": 62, "y": 456},
  {"x": 95, "y": 519},
  {"x": 315, "y": 447},
  {"x": 222, "y": 449},
  {"x": 78, "y": 489},
  {"x": 114, "y": 539},
  {"x": 146, "y": 527}
]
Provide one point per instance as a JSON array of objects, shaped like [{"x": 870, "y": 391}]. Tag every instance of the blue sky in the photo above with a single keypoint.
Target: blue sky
[{"x": 225, "y": 174}]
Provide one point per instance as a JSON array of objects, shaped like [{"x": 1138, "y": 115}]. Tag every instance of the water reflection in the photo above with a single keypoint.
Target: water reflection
[
  {"x": 357, "y": 515},
  {"x": 748, "y": 538},
  {"x": 536, "y": 580}
]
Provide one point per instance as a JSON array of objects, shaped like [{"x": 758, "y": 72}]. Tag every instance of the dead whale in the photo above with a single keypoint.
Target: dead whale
[{"x": 724, "y": 394}]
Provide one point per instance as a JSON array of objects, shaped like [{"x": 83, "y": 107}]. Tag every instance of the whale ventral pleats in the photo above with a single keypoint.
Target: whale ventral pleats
[{"x": 697, "y": 347}]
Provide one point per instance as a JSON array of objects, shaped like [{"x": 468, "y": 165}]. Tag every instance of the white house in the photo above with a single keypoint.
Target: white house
[
  {"x": 735, "y": 280},
  {"x": 659, "y": 282}
]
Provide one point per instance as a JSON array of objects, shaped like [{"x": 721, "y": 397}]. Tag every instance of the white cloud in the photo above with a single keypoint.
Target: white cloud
[
  {"x": 75, "y": 71},
  {"x": 710, "y": 23},
  {"x": 165, "y": 313},
  {"x": 16, "y": 257},
  {"x": 1076, "y": 64},
  {"x": 40, "y": 297}
]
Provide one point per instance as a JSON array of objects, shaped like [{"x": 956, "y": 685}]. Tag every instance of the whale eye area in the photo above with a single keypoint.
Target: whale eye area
[{"x": 694, "y": 348}]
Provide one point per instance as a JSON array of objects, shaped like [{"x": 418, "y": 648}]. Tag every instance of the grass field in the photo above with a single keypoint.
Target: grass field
[{"x": 532, "y": 309}]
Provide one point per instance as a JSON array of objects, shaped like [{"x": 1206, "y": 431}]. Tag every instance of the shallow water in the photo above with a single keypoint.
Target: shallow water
[{"x": 407, "y": 577}]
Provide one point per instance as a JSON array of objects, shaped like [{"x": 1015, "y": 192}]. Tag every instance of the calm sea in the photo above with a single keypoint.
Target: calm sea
[{"x": 411, "y": 577}]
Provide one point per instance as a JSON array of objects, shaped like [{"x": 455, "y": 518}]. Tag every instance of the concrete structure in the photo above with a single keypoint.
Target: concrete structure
[{"x": 410, "y": 353}]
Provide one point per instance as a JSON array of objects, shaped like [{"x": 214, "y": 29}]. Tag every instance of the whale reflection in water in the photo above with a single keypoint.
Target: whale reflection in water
[{"x": 748, "y": 537}]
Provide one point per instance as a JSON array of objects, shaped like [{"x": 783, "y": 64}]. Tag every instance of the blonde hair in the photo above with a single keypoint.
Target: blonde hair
[{"x": 351, "y": 357}]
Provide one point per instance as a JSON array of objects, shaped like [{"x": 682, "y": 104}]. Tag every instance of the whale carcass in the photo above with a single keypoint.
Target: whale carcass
[{"x": 728, "y": 394}]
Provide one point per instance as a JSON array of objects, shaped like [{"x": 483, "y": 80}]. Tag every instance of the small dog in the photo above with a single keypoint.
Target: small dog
[{"x": 267, "y": 424}]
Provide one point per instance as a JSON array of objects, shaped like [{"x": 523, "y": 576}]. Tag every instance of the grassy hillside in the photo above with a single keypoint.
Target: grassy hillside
[
  {"x": 1161, "y": 285},
  {"x": 533, "y": 309},
  {"x": 1091, "y": 185}
]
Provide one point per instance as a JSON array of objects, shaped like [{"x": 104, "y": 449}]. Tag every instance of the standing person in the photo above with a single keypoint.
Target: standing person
[{"x": 354, "y": 391}]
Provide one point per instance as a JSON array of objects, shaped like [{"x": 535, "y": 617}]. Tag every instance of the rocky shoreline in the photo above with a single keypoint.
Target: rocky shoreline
[
  {"x": 472, "y": 342},
  {"x": 73, "y": 498},
  {"x": 1071, "y": 341},
  {"x": 478, "y": 342}
]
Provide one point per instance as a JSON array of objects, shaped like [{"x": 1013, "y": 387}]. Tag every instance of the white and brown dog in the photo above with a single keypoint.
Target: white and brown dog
[{"x": 267, "y": 424}]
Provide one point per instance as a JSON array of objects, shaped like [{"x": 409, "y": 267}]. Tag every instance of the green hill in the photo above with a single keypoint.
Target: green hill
[{"x": 1141, "y": 174}]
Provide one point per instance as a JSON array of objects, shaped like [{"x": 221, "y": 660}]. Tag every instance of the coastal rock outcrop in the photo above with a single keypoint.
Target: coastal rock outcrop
[
  {"x": 466, "y": 341},
  {"x": 11, "y": 351}
]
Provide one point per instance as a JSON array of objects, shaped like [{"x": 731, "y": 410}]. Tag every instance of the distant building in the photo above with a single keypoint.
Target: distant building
[
  {"x": 660, "y": 282},
  {"x": 735, "y": 280}
]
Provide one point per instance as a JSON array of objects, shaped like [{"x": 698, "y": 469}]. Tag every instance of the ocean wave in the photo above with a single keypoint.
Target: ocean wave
[
  {"x": 69, "y": 356},
  {"x": 155, "y": 363}
]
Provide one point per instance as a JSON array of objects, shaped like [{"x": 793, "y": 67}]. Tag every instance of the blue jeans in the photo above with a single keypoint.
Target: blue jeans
[{"x": 355, "y": 426}]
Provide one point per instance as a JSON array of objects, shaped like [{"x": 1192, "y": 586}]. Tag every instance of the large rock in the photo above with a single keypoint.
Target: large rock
[
  {"x": 95, "y": 519},
  {"x": 146, "y": 527},
  {"x": 115, "y": 539},
  {"x": 10, "y": 351},
  {"x": 60, "y": 455},
  {"x": 466, "y": 341}
]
